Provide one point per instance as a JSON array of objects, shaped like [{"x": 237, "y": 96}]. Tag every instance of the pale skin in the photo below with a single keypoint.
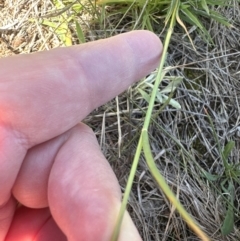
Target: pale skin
[{"x": 49, "y": 161}]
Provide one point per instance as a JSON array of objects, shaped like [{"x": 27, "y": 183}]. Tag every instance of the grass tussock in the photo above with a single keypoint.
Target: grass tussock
[{"x": 188, "y": 144}]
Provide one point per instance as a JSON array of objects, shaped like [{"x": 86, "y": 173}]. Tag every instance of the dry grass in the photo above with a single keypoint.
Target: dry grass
[
  {"x": 182, "y": 140},
  {"x": 19, "y": 34}
]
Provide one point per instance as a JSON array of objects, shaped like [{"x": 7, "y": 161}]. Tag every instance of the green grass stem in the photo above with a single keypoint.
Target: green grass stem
[
  {"x": 144, "y": 144},
  {"x": 127, "y": 191}
]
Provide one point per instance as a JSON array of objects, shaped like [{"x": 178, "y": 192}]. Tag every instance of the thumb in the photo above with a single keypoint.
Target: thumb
[
  {"x": 84, "y": 195},
  {"x": 128, "y": 230}
]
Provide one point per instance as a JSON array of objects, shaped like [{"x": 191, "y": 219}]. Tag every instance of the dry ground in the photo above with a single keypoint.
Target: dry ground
[{"x": 182, "y": 140}]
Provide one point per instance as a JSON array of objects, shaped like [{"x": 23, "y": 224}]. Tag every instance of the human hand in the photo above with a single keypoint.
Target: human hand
[{"x": 48, "y": 162}]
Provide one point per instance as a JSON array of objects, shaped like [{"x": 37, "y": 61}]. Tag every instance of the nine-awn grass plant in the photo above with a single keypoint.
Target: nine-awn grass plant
[
  {"x": 231, "y": 173},
  {"x": 176, "y": 12}
]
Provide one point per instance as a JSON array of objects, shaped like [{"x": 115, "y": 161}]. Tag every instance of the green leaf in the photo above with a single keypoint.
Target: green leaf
[
  {"x": 226, "y": 152},
  {"x": 164, "y": 98},
  {"x": 80, "y": 33},
  {"x": 63, "y": 32},
  {"x": 218, "y": 2},
  {"x": 175, "y": 104},
  {"x": 214, "y": 15},
  {"x": 184, "y": 6},
  {"x": 172, "y": 85},
  {"x": 49, "y": 23},
  {"x": 228, "y": 222},
  {"x": 60, "y": 24},
  {"x": 210, "y": 177},
  {"x": 173, "y": 5},
  {"x": 219, "y": 18},
  {"x": 59, "y": 4},
  {"x": 144, "y": 95},
  {"x": 77, "y": 8},
  {"x": 204, "y": 6},
  {"x": 191, "y": 16},
  {"x": 227, "y": 149}
]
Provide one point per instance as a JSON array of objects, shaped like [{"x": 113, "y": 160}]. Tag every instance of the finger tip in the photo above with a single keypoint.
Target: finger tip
[
  {"x": 128, "y": 230},
  {"x": 147, "y": 47},
  {"x": 151, "y": 39}
]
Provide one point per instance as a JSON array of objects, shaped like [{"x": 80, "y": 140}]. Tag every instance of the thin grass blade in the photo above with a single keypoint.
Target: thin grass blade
[
  {"x": 166, "y": 189},
  {"x": 80, "y": 33},
  {"x": 228, "y": 223},
  {"x": 205, "y": 6},
  {"x": 127, "y": 191},
  {"x": 227, "y": 150}
]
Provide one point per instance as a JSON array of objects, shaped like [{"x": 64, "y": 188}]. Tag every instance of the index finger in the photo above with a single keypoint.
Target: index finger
[{"x": 42, "y": 95}]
